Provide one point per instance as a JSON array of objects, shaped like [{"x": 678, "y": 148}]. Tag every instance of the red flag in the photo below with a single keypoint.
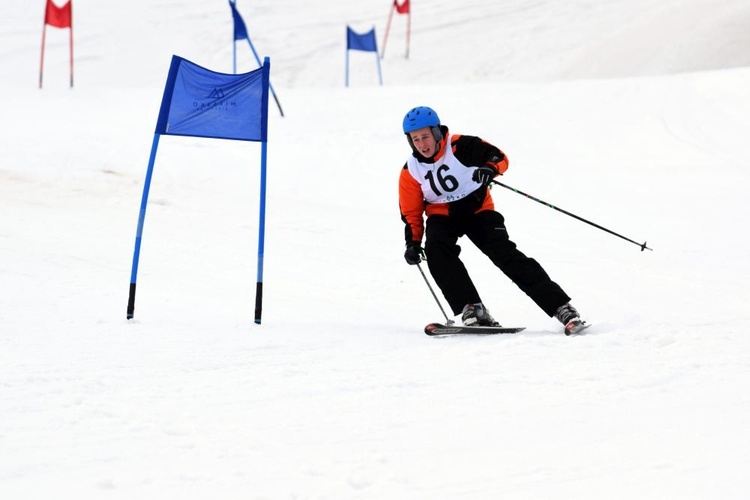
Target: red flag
[
  {"x": 403, "y": 8},
  {"x": 60, "y": 17}
]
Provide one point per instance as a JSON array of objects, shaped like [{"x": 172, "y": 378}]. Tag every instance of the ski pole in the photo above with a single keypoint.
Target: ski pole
[
  {"x": 449, "y": 321},
  {"x": 642, "y": 245}
]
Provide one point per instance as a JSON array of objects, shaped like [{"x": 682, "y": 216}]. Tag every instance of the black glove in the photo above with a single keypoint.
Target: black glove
[
  {"x": 414, "y": 253},
  {"x": 484, "y": 175}
]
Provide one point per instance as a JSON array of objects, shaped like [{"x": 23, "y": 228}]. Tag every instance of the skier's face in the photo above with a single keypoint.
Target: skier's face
[{"x": 424, "y": 141}]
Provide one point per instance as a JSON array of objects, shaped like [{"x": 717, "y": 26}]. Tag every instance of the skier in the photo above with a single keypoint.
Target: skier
[{"x": 447, "y": 177}]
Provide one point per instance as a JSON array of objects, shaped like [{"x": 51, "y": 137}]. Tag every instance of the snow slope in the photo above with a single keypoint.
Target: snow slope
[{"x": 630, "y": 115}]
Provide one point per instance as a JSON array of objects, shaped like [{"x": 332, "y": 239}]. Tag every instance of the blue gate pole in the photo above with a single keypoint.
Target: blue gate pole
[
  {"x": 380, "y": 75},
  {"x": 347, "y": 68},
  {"x": 139, "y": 231},
  {"x": 261, "y": 233},
  {"x": 263, "y": 161},
  {"x": 234, "y": 56}
]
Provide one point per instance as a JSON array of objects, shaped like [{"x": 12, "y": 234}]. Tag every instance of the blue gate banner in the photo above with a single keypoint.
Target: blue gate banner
[
  {"x": 365, "y": 42},
  {"x": 203, "y": 103}
]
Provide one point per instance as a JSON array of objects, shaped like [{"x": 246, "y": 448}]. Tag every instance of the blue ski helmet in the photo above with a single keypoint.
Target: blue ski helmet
[{"x": 420, "y": 117}]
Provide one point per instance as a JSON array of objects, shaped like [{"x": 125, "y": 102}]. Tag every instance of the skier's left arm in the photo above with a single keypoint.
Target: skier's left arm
[{"x": 489, "y": 159}]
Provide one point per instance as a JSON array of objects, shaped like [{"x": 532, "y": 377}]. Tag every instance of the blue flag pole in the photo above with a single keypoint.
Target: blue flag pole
[
  {"x": 347, "y": 67},
  {"x": 240, "y": 32},
  {"x": 139, "y": 231},
  {"x": 262, "y": 217},
  {"x": 261, "y": 234},
  {"x": 234, "y": 56},
  {"x": 380, "y": 74}
]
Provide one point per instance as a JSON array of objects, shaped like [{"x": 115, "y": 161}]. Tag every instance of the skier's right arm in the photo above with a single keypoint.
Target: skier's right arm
[{"x": 411, "y": 203}]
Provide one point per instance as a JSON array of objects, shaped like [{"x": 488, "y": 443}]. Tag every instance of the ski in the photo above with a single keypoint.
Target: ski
[{"x": 437, "y": 329}]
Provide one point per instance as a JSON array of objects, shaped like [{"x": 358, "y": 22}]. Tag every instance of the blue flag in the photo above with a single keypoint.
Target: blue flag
[
  {"x": 240, "y": 30},
  {"x": 202, "y": 103},
  {"x": 365, "y": 42}
]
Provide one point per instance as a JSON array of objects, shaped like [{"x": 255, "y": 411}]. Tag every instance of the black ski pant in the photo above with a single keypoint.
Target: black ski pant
[{"x": 487, "y": 231}]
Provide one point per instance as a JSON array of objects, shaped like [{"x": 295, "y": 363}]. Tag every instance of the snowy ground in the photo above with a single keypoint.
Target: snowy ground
[{"x": 632, "y": 116}]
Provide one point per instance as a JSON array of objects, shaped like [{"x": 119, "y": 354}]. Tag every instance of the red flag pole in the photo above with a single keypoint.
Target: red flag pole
[
  {"x": 71, "y": 44},
  {"x": 408, "y": 31},
  {"x": 41, "y": 64},
  {"x": 387, "y": 27}
]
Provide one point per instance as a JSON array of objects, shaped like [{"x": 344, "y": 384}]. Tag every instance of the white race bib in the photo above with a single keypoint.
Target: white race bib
[{"x": 445, "y": 180}]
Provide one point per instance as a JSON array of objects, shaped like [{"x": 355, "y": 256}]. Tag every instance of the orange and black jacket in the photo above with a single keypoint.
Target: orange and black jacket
[{"x": 471, "y": 152}]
